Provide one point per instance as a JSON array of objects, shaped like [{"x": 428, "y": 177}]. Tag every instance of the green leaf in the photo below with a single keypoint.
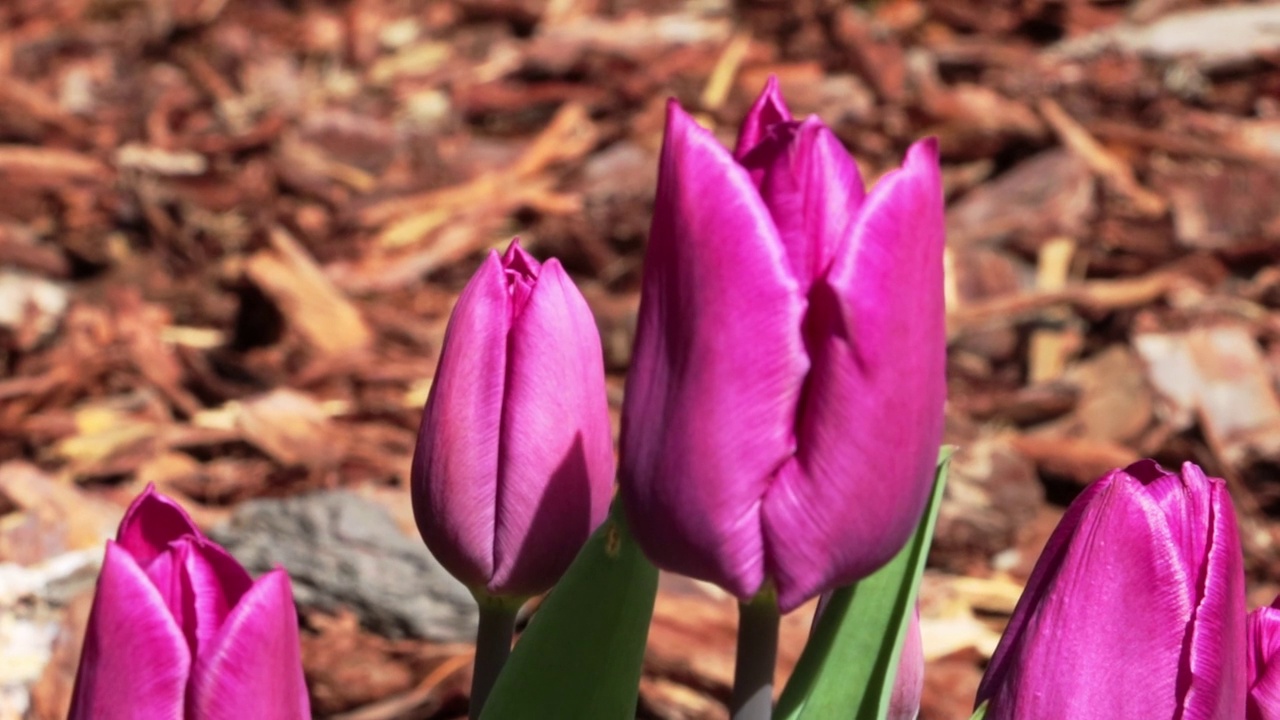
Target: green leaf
[
  {"x": 980, "y": 713},
  {"x": 848, "y": 666},
  {"x": 582, "y": 653}
]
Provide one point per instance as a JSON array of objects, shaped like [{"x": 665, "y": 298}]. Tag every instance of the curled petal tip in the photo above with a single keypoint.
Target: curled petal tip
[
  {"x": 923, "y": 158},
  {"x": 153, "y": 521},
  {"x": 673, "y": 111},
  {"x": 1146, "y": 470},
  {"x": 517, "y": 258},
  {"x": 925, "y": 148},
  {"x": 768, "y": 110},
  {"x": 1194, "y": 473},
  {"x": 770, "y": 103},
  {"x": 679, "y": 122}
]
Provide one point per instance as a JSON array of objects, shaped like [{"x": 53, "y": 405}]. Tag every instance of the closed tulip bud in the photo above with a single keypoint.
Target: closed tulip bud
[
  {"x": 784, "y": 405},
  {"x": 179, "y": 630},
  {"x": 908, "y": 683},
  {"x": 1262, "y": 631},
  {"x": 514, "y": 464},
  {"x": 1135, "y": 608}
]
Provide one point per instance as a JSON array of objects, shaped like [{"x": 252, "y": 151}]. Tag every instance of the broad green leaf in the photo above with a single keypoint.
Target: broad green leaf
[
  {"x": 581, "y": 655},
  {"x": 848, "y": 666},
  {"x": 980, "y": 713}
]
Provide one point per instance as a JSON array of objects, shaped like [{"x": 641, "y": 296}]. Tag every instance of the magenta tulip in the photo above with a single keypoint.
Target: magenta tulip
[
  {"x": 1135, "y": 609},
  {"x": 784, "y": 405},
  {"x": 179, "y": 630},
  {"x": 1263, "y": 660},
  {"x": 514, "y": 464}
]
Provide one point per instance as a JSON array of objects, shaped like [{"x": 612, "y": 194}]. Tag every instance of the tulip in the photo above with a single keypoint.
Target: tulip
[
  {"x": 1262, "y": 631},
  {"x": 908, "y": 683},
  {"x": 179, "y": 630},
  {"x": 514, "y": 463},
  {"x": 1135, "y": 609},
  {"x": 784, "y": 405}
]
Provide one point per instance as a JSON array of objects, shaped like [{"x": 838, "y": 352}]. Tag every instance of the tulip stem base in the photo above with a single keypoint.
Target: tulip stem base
[
  {"x": 493, "y": 647},
  {"x": 757, "y": 654}
]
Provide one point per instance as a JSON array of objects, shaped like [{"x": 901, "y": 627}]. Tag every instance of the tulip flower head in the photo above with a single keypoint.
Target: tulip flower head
[
  {"x": 1263, "y": 659},
  {"x": 179, "y": 630},
  {"x": 1135, "y": 608},
  {"x": 514, "y": 465},
  {"x": 784, "y": 405}
]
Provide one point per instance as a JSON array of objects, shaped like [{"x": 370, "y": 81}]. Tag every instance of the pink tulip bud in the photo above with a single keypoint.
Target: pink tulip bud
[
  {"x": 514, "y": 464},
  {"x": 784, "y": 405},
  {"x": 1134, "y": 610},
  {"x": 179, "y": 630},
  {"x": 1262, "y": 631},
  {"x": 908, "y": 684}
]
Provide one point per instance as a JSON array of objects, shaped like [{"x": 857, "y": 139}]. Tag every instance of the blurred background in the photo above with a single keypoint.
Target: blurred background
[{"x": 231, "y": 232}]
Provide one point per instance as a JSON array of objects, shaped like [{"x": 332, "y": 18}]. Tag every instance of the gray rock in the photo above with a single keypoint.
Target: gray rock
[{"x": 343, "y": 550}]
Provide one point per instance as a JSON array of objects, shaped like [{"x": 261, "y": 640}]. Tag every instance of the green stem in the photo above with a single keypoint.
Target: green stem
[
  {"x": 493, "y": 646},
  {"x": 757, "y": 654}
]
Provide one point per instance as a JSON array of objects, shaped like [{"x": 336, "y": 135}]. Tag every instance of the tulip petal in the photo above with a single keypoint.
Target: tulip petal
[
  {"x": 1264, "y": 641},
  {"x": 768, "y": 110},
  {"x": 1039, "y": 584},
  {"x": 1264, "y": 663},
  {"x": 165, "y": 573},
  {"x": 252, "y": 668},
  {"x": 1214, "y": 675},
  {"x": 1100, "y": 633},
  {"x": 813, "y": 190},
  {"x": 151, "y": 523},
  {"x": 556, "y": 457},
  {"x": 135, "y": 660},
  {"x": 870, "y": 421},
  {"x": 200, "y": 583},
  {"x": 717, "y": 367},
  {"x": 521, "y": 271},
  {"x": 455, "y": 464},
  {"x": 214, "y": 584},
  {"x": 517, "y": 259},
  {"x": 1187, "y": 507}
]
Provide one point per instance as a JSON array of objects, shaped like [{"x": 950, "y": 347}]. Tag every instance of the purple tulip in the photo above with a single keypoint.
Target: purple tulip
[
  {"x": 179, "y": 629},
  {"x": 784, "y": 405},
  {"x": 1262, "y": 631},
  {"x": 514, "y": 464},
  {"x": 1135, "y": 609}
]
